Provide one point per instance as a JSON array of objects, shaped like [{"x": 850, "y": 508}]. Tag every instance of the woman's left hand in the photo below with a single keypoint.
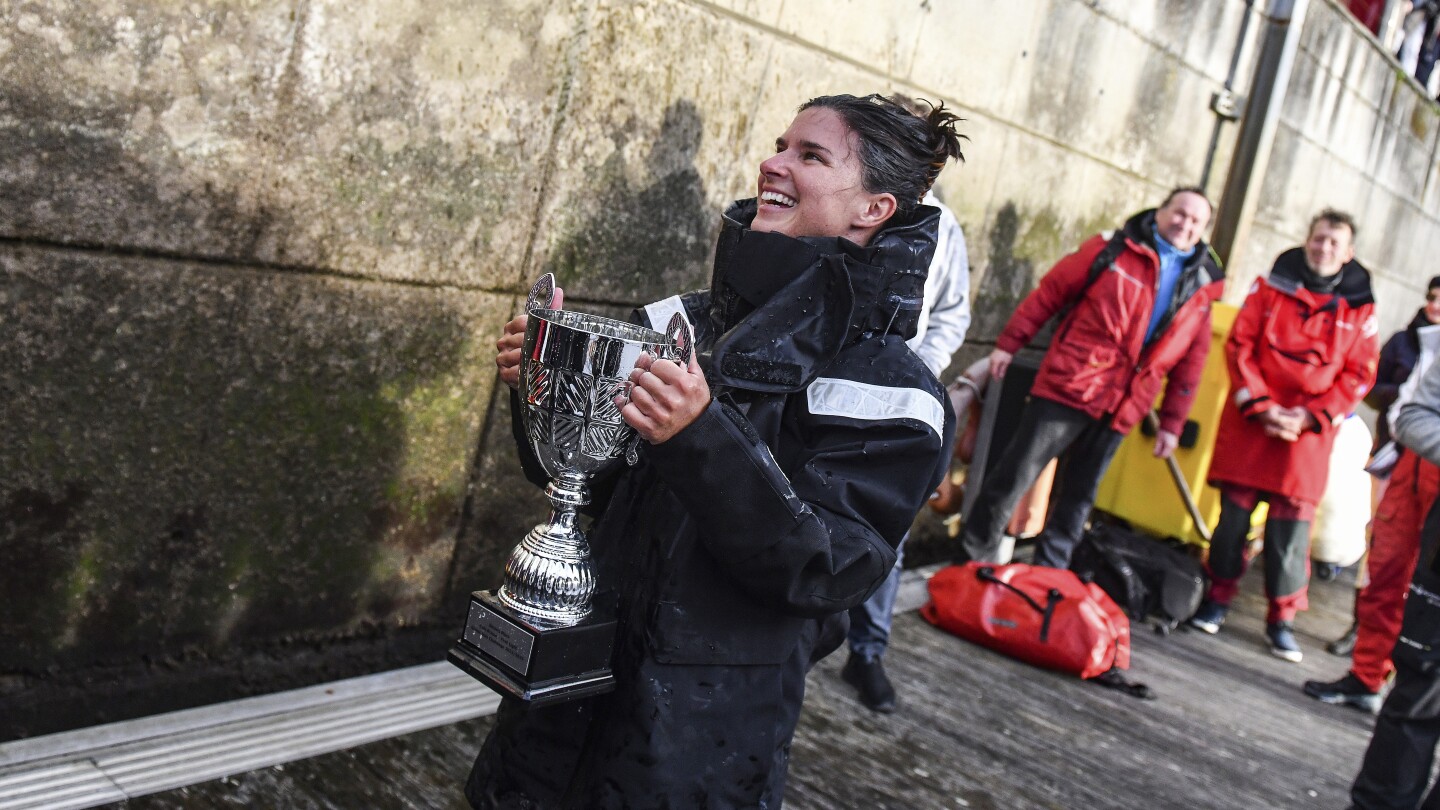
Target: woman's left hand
[{"x": 665, "y": 399}]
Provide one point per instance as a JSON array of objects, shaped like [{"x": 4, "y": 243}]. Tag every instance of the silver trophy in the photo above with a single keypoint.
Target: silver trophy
[{"x": 542, "y": 637}]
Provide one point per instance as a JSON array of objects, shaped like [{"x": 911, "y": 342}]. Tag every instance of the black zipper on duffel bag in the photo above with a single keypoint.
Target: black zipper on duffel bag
[{"x": 987, "y": 574}]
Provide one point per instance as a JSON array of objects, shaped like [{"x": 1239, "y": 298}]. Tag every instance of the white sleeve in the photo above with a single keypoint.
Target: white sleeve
[
  {"x": 1418, "y": 424},
  {"x": 945, "y": 316}
]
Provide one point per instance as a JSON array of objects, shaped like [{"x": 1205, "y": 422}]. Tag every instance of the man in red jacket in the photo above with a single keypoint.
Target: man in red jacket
[
  {"x": 1302, "y": 353},
  {"x": 1134, "y": 309}
]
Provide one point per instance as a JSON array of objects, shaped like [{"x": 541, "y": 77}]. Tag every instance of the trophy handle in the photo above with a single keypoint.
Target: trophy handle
[
  {"x": 682, "y": 336},
  {"x": 542, "y": 295}
]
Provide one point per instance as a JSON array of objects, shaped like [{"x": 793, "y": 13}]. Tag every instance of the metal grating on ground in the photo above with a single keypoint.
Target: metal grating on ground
[{"x": 94, "y": 766}]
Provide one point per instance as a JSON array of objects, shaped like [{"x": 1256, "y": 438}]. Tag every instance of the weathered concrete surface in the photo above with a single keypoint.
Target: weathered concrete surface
[
  {"x": 198, "y": 458},
  {"x": 1081, "y": 114},
  {"x": 400, "y": 140},
  {"x": 1358, "y": 135},
  {"x": 1230, "y": 729},
  {"x": 254, "y": 254}
]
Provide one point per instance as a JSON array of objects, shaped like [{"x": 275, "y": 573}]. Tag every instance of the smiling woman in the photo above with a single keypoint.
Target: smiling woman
[
  {"x": 781, "y": 468},
  {"x": 847, "y": 165}
]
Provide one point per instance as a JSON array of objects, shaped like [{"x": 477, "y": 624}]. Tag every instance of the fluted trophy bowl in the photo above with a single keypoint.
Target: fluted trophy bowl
[{"x": 573, "y": 367}]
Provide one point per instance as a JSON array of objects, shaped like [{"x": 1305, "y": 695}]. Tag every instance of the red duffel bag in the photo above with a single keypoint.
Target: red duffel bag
[{"x": 1042, "y": 616}]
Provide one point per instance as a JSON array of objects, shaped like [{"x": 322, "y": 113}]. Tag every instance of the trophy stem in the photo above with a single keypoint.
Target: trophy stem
[{"x": 549, "y": 578}]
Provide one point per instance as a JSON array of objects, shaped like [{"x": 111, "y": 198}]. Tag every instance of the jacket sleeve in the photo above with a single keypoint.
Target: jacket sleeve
[
  {"x": 1417, "y": 426},
  {"x": 1060, "y": 286},
  {"x": 1184, "y": 380},
  {"x": 817, "y": 541},
  {"x": 1354, "y": 378},
  {"x": 1385, "y": 391},
  {"x": 948, "y": 291},
  {"x": 1247, "y": 385}
]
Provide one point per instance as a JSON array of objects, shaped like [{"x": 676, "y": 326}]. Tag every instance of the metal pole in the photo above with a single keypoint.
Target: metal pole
[
  {"x": 1223, "y": 104},
  {"x": 1284, "y": 20}
]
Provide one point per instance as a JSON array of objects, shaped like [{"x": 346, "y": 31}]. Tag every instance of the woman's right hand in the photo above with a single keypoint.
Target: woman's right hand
[
  {"x": 512, "y": 342},
  {"x": 999, "y": 362}
]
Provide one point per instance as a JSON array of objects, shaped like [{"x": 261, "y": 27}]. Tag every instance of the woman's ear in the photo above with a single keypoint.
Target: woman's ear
[{"x": 877, "y": 210}]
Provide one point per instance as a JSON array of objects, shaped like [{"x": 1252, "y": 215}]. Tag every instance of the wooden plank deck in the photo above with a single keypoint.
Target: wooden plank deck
[{"x": 1230, "y": 729}]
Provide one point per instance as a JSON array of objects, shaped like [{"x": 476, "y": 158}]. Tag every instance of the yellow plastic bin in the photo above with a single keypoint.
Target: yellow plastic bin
[{"x": 1138, "y": 487}]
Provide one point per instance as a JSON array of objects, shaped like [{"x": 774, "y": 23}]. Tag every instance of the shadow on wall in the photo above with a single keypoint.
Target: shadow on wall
[
  {"x": 641, "y": 244},
  {"x": 634, "y": 245},
  {"x": 195, "y": 462},
  {"x": 1007, "y": 279}
]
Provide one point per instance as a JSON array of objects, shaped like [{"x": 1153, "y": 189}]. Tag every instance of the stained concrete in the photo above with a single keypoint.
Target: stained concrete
[
  {"x": 1355, "y": 134},
  {"x": 253, "y": 257},
  {"x": 197, "y": 459},
  {"x": 1229, "y": 729}
]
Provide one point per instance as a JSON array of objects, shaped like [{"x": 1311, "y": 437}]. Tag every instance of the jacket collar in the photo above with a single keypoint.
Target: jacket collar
[
  {"x": 1287, "y": 277},
  {"x": 1202, "y": 264},
  {"x": 784, "y": 307}
]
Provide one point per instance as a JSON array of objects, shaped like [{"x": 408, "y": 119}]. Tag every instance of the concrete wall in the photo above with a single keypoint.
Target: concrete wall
[
  {"x": 1359, "y": 135},
  {"x": 254, "y": 255}
]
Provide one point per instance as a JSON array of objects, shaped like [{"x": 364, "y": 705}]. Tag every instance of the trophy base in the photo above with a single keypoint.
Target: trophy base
[{"x": 539, "y": 665}]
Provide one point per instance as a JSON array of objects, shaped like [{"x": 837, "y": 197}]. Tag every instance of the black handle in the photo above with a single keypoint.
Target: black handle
[{"x": 987, "y": 574}]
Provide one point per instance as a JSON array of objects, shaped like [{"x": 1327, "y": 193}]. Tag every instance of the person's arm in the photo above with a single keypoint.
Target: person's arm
[
  {"x": 1059, "y": 287},
  {"x": 949, "y": 315},
  {"x": 1247, "y": 385},
  {"x": 1355, "y": 377},
  {"x": 1417, "y": 426},
  {"x": 1181, "y": 384},
  {"x": 1184, "y": 380},
  {"x": 1250, "y": 391},
  {"x": 1383, "y": 394},
  {"x": 820, "y": 539}
]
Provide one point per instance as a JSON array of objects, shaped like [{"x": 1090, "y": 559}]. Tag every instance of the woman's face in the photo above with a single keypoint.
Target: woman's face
[
  {"x": 811, "y": 186},
  {"x": 1432, "y": 305}
]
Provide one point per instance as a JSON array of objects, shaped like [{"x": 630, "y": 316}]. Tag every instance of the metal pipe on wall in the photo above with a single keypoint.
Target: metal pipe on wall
[
  {"x": 1224, "y": 102},
  {"x": 1284, "y": 20}
]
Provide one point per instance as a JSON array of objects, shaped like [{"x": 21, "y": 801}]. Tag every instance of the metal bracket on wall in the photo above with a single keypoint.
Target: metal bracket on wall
[{"x": 1226, "y": 104}]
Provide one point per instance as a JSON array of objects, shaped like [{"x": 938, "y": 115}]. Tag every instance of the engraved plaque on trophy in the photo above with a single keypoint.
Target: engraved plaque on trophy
[{"x": 544, "y": 636}]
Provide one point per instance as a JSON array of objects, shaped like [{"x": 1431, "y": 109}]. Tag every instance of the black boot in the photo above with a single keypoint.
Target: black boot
[
  {"x": 867, "y": 674},
  {"x": 1345, "y": 645}
]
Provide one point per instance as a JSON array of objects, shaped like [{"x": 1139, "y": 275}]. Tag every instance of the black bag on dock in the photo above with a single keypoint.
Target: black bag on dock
[{"x": 1145, "y": 577}]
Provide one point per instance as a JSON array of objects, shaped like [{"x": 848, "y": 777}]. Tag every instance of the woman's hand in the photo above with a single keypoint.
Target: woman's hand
[
  {"x": 665, "y": 398},
  {"x": 512, "y": 342},
  {"x": 999, "y": 363}
]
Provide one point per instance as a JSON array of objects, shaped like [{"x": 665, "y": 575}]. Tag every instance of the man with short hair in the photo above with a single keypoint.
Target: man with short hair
[
  {"x": 1302, "y": 353},
  {"x": 1134, "y": 312}
]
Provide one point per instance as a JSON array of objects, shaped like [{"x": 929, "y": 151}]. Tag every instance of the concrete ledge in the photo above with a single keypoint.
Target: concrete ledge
[
  {"x": 118, "y": 761},
  {"x": 93, "y": 766}
]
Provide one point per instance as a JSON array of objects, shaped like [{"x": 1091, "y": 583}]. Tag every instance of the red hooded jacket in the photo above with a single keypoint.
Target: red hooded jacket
[
  {"x": 1291, "y": 347},
  {"x": 1098, "y": 361}
]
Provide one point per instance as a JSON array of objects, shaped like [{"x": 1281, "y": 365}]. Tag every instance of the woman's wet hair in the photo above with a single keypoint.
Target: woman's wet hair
[{"x": 903, "y": 146}]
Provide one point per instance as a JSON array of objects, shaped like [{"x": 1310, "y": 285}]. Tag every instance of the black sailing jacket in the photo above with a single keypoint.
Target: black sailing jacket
[{"x": 781, "y": 504}]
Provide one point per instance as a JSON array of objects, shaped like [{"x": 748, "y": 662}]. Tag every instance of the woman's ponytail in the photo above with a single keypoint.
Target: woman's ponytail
[{"x": 903, "y": 145}]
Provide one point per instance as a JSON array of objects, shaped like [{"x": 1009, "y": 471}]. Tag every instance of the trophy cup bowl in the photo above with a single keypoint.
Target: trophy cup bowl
[{"x": 541, "y": 637}]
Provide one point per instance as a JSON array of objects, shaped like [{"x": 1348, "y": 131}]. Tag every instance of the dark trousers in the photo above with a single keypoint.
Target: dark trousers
[
  {"x": 1286, "y": 553},
  {"x": 1429, "y": 52},
  {"x": 1397, "y": 764},
  {"x": 1047, "y": 430}
]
